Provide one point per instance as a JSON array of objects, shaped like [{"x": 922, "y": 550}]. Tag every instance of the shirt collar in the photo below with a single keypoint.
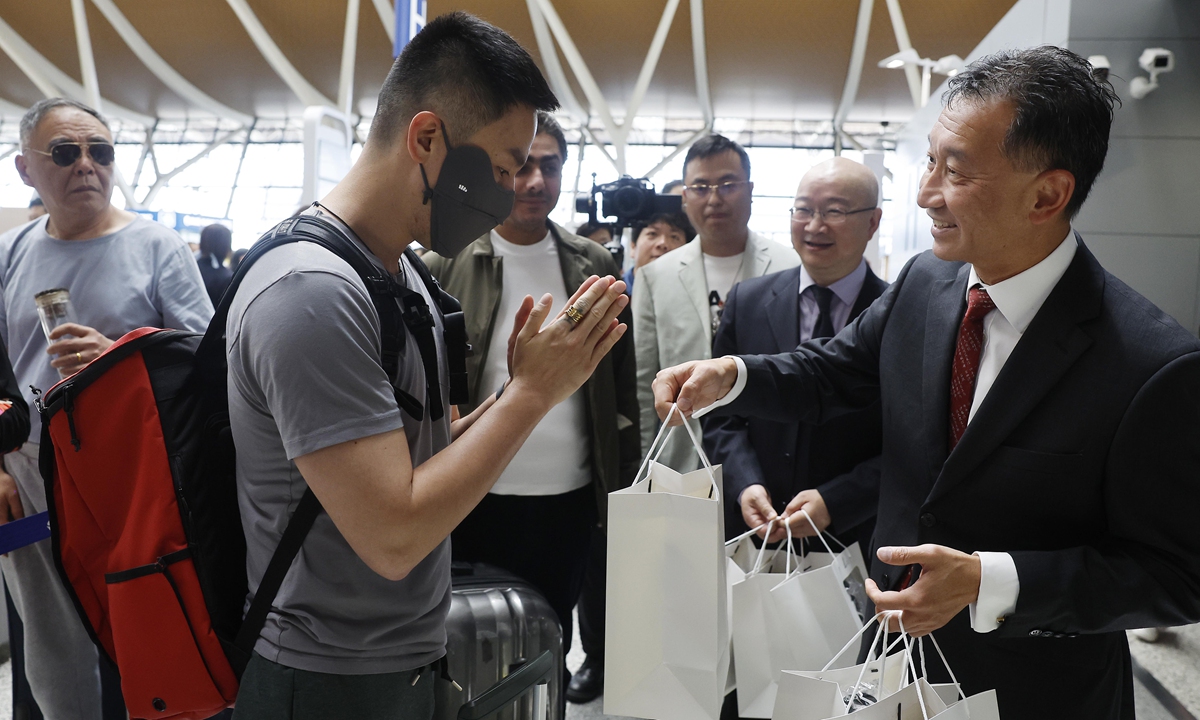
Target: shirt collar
[
  {"x": 1021, "y": 296},
  {"x": 846, "y": 289}
]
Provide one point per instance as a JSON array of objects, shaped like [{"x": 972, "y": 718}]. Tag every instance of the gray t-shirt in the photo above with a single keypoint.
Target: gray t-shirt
[
  {"x": 142, "y": 275},
  {"x": 305, "y": 374}
]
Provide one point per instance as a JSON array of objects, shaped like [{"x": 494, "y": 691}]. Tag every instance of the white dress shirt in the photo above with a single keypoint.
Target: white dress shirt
[
  {"x": 1018, "y": 299},
  {"x": 845, "y": 293}
]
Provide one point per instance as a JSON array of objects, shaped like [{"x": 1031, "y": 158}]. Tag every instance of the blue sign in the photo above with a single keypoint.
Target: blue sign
[{"x": 410, "y": 18}]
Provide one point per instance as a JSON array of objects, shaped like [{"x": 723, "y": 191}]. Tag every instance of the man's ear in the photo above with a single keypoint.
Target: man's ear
[
  {"x": 22, "y": 170},
  {"x": 424, "y": 136},
  {"x": 876, "y": 216},
  {"x": 1052, "y": 192}
]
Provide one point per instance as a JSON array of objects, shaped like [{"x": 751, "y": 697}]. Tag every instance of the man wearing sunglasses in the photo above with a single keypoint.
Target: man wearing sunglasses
[
  {"x": 679, "y": 297},
  {"x": 123, "y": 272}
]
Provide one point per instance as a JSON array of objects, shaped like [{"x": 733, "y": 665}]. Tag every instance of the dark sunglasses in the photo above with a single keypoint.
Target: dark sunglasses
[{"x": 67, "y": 154}]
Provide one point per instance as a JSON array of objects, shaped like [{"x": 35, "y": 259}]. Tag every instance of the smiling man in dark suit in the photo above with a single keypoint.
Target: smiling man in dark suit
[
  {"x": 830, "y": 471},
  {"x": 1040, "y": 454}
]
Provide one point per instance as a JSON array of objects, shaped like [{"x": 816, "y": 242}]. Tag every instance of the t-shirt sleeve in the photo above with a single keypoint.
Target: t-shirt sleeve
[
  {"x": 308, "y": 349},
  {"x": 185, "y": 304}
]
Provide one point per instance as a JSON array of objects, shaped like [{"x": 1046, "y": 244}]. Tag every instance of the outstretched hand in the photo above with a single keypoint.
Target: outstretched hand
[
  {"x": 949, "y": 582},
  {"x": 692, "y": 386}
]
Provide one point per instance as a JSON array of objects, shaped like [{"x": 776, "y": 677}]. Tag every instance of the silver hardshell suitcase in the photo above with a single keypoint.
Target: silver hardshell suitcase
[{"x": 503, "y": 652}]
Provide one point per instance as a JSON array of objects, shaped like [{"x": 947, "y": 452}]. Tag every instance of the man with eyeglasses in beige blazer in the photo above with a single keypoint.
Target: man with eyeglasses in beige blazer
[{"x": 678, "y": 298}]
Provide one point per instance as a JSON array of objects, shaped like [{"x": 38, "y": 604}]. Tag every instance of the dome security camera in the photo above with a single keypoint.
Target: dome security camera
[{"x": 1100, "y": 66}]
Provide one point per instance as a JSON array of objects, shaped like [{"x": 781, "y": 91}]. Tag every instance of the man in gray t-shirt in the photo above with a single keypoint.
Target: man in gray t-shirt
[
  {"x": 123, "y": 272},
  {"x": 302, "y": 318},
  {"x": 361, "y": 613}
]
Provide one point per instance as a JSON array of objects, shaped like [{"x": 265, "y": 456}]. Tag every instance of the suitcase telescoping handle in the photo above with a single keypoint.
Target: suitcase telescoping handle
[{"x": 498, "y": 696}]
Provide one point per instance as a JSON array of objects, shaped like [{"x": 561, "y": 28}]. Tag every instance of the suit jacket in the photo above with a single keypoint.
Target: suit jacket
[
  {"x": 672, "y": 324},
  {"x": 1081, "y": 462},
  {"x": 839, "y": 458},
  {"x": 474, "y": 277}
]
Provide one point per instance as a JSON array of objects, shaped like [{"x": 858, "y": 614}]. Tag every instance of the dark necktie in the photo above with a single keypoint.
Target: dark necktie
[
  {"x": 966, "y": 361},
  {"x": 824, "y": 325}
]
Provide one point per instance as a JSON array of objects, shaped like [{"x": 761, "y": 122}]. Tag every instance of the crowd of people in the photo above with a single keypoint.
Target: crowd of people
[{"x": 839, "y": 404}]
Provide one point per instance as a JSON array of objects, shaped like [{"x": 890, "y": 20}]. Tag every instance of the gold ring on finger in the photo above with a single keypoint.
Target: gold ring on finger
[
  {"x": 79, "y": 357},
  {"x": 574, "y": 315}
]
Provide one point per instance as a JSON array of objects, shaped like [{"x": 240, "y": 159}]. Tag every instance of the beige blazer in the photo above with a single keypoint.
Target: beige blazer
[{"x": 672, "y": 324}]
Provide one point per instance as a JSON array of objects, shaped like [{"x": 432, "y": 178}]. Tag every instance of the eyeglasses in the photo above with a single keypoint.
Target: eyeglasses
[
  {"x": 67, "y": 154},
  {"x": 724, "y": 190},
  {"x": 832, "y": 217}
]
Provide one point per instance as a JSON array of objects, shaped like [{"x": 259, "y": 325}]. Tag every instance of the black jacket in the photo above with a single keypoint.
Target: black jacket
[
  {"x": 839, "y": 458},
  {"x": 1082, "y": 463},
  {"x": 14, "y": 422}
]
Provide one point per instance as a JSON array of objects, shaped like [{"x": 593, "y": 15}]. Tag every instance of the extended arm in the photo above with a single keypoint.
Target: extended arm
[{"x": 393, "y": 515}]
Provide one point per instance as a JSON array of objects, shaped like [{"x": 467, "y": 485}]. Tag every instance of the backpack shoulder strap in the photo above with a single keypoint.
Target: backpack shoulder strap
[{"x": 454, "y": 330}]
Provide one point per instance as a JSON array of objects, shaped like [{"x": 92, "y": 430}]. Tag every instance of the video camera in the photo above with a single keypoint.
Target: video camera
[{"x": 627, "y": 199}]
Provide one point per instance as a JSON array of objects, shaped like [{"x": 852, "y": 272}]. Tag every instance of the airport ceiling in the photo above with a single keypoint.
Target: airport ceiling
[{"x": 767, "y": 59}]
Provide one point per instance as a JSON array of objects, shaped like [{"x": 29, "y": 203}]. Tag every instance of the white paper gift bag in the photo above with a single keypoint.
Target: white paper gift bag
[
  {"x": 879, "y": 691},
  {"x": 667, "y": 624},
  {"x": 761, "y": 649},
  {"x": 816, "y": 608}
]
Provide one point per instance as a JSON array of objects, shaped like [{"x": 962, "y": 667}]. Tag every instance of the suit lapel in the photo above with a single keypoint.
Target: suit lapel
[
  {"x": 757, "y": 260},
  {"x": 872, "y": 288},
  {"x": 783, "y": 311},
  {"x": 691, "y": 276},
  {"x": 1050, "y": 346},
  {"x": 947, "y": 303}
]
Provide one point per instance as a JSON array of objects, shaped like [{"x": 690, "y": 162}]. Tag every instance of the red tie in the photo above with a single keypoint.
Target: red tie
[{"x": 966, "y": 361}]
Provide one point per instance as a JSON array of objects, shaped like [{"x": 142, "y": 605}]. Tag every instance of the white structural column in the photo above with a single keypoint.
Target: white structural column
[
  {"x": 50, "y": 80},
  {"x": 387, "y": 16},
  {"x": 91, "y": 84},
  {"x": 548, "y": 28},
  {"x": 349, "y": 52},
  {"x": 163, "y": 70},
  {"x": 858, "y": 53},
  {"x": 308, "y": 94},
  {"x": 87, "y": 61},
  {"x": 910, "y": 71},
  {"x": 700, "y": 60}
]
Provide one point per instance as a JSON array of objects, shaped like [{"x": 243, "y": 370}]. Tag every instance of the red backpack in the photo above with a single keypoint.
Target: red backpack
[{"x": 138, "y": 460}]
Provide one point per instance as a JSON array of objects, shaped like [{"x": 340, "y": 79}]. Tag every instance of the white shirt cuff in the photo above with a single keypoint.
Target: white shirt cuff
[
  {"x": 998, "y": 590},
  {"x": 738, "y": 386}
]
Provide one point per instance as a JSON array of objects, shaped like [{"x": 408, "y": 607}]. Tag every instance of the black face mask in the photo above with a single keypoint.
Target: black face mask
[{"x": 467, "y": 201}]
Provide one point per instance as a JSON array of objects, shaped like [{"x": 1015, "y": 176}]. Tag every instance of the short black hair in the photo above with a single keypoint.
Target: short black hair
[
  {"x": 467, "y": 71},
  {"x": 679, "y": 221},
  {"x": 587, "y": 228},
  {"x": 677, "y": 183},
  {"x": 548, "y": 125},
  {"x": 715, "y": 145},
  {"x": 40, "y": 109},
  {"x": 36, "y": 201},
  {"x": 1063, "y": 113},
  {"x": 216, "y": 240}
]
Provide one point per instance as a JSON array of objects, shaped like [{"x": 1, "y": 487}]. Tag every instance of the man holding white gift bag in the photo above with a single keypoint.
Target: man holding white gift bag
[
  {"x": 1038, "y": 492},
  {"x": 667, "y": 625}
]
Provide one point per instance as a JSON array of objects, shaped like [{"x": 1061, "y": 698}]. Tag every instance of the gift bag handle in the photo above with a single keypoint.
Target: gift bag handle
[
  {"x": 953, "y": 679},
  {"x": 660, "y": 440},
  {"x": 908, "y": 645},
  {"x": 787, "y": 546}
]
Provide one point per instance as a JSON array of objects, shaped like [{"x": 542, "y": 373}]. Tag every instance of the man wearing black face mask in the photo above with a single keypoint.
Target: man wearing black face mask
[{"x": 362, "y": 612}]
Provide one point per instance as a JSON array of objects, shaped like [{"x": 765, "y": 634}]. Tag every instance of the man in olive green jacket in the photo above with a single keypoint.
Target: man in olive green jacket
[{"x": 543, "y": 519}]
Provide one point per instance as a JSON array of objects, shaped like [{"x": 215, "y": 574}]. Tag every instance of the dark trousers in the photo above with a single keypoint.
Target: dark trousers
[
  {"x": 591, "y": 596},
  {"x": 542, "y": 539},
  {"x": 271, "y": 691}
]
